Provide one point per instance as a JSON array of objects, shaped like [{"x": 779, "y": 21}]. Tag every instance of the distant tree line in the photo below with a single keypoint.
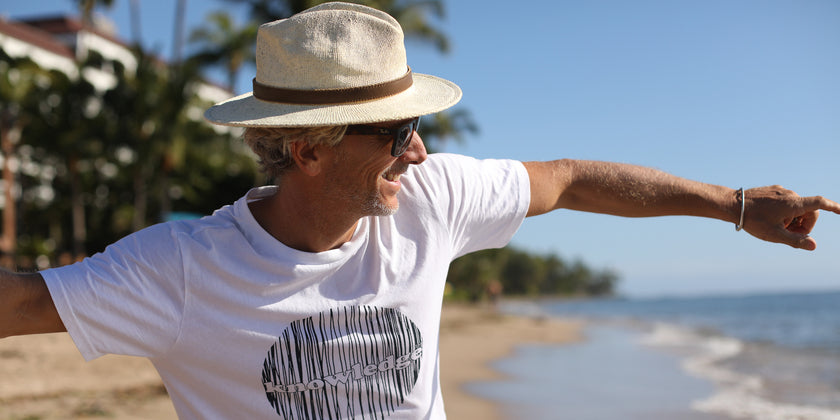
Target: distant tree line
[{"x": 488, "y": 274}]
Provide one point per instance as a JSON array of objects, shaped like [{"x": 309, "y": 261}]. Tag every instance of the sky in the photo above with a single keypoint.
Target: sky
[{"x": 737, "y": 93}]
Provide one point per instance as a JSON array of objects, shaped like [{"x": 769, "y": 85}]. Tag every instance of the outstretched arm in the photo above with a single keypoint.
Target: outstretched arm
[
  {"x": 26, "y": 306},
  {"x": 771, "y": 213}
]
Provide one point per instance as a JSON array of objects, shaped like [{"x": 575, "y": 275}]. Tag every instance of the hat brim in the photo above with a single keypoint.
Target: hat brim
[{"x": 427, "y": 95}]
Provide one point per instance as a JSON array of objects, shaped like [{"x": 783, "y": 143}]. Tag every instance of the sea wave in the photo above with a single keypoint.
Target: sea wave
[{"x": 738, "y": 395}]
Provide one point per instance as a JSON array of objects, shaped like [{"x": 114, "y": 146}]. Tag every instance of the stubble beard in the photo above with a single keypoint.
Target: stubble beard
[
  {"x": 373, "y": 204},
  {"x": 370, "y": 201}
]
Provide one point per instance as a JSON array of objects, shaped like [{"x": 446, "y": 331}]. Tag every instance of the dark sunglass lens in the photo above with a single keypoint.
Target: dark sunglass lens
[{"x": 402, "y": 140}]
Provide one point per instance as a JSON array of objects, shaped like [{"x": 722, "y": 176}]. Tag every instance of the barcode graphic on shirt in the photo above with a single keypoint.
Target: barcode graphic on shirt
[{"x": 351, "y": 362}]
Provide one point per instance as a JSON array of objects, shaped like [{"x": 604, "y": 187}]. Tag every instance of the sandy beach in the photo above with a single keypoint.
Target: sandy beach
[
  {"x": 472, "y": 337},
  {"x": 44, "y": 377}
]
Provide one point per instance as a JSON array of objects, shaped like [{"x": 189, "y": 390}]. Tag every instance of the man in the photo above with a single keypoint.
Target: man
[{"x": 320, "y": 297}]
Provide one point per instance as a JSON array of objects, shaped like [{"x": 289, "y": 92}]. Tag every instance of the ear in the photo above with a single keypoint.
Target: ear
[{"x": 308, "y": 158}]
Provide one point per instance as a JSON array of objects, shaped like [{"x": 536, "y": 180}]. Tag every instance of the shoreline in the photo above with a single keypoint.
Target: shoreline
[
  {"x": 474, "y": 336},
  {"x": 52, "y": 381}
]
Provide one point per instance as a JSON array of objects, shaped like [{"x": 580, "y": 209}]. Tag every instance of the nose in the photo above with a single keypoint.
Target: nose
[{"x": 416, "y": 152}]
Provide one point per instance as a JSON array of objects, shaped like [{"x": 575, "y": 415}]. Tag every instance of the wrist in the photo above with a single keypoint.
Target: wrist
[{"x": 741, "y": 203}]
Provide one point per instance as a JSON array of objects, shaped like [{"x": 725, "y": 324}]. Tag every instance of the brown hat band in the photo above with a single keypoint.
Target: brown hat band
[{"x": 332, "y": 96}]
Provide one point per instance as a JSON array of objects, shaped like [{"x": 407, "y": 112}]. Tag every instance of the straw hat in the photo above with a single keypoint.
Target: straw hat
[{"x": 334, "y": 64}]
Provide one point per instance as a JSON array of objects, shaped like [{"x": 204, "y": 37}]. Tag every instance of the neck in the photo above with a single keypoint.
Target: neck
[{"x": 299, "y": 222}]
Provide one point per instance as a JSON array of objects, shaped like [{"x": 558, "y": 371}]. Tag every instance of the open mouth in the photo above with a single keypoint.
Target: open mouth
[
  {"x": 391, "y": 176},
  {"x": 394, "y": 173}
]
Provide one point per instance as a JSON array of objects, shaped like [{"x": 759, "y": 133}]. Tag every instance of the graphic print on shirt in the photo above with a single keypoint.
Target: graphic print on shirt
[{"x": 351, "y": 362}]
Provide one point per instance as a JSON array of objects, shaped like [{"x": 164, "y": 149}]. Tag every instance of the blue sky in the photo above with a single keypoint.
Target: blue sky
[{"x": 737, "y": 93}]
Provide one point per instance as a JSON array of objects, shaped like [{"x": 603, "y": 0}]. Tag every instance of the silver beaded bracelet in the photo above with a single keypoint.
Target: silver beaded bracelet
[{"x": 740, "y": 195}]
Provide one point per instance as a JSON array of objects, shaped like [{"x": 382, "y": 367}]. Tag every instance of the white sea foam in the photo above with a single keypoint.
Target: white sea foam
[
  {"x": 742, "y": 404},
  {"x": 737, "y": 395}
]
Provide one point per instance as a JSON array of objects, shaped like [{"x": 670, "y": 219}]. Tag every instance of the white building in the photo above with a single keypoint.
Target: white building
[{"x": 59, "y": 42}]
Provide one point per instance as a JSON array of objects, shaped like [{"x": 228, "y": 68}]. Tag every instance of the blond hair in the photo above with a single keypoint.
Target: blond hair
[{"x": 273, "y": 144}]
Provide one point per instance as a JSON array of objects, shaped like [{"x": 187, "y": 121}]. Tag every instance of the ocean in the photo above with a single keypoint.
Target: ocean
[{"x": 758, "y": 356}]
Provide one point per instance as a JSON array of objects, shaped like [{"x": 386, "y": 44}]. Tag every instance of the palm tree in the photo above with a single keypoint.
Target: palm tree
[
  {"x": 178, "y": 32},
  {"x": 225, "y": 43},
  {"x": 153, "y": 104},
  {"x": 86, "y": 8},
  {"x": 415, "y": 18},
  {"x": 134, "y": 7},
  {"x": 69, "y": 129},
  {"x": 160, "y": 135},
  {"x": 414, "y": 15},
  {"x": 18, "y": 80}
]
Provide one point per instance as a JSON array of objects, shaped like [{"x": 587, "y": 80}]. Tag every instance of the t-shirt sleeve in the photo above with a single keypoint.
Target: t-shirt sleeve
[
  {"x": 127, "y": 300},
  {"x": 483, "y": 202}
]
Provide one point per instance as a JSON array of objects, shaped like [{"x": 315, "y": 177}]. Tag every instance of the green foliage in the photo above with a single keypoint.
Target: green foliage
[
  {"x": 480, "y": 275},
  {"x": 223, "y": 43},
  {"x": 97, "y": 165},
  {"x": 415, "y": 16}
]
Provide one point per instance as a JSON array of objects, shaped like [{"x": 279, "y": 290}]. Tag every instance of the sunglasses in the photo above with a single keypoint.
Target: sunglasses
[{"x": 401, "y": 134}]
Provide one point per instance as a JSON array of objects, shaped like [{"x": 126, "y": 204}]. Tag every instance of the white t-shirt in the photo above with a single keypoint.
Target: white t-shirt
[{"x": 240, "y": 326}]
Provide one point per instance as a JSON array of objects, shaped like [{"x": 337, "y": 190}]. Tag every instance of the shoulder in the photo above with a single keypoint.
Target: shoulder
[
  {"x": 447, "y": 181},
  {"x": 451, "y": 168},
  {"x": 450, "y": 163},
  {"x": 444, "y": 163}
]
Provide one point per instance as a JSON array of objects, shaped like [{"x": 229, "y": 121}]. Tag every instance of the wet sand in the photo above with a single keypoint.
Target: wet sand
[
  {"x": 609, "y": 375},
  {"x": 45, "y": 377},
  {"x": 471, "y": 338}
]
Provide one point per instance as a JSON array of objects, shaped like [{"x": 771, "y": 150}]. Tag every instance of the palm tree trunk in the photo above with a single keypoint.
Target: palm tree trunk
[
  {"x": 87, "y": 11},
  {"x": 77, "y": 209},
  {"x": 9, "y": 240},
  {"x": 178, "y": 33},
  {"x": 141, "y": 199},
  {"x": 134, "y": 7}
]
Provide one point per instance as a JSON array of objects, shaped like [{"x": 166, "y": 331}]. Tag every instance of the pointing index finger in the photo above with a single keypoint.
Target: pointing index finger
[{"x": 820, "y": 203}]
